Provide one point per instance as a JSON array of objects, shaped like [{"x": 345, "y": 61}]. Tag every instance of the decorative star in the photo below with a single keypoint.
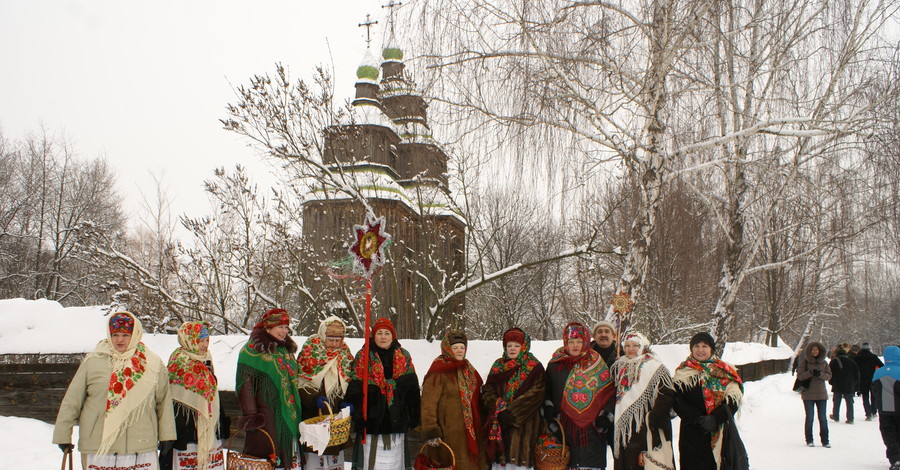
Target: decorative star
[
  {"x": 622, "y": 303},
  {"x": 368, "y": 251}
]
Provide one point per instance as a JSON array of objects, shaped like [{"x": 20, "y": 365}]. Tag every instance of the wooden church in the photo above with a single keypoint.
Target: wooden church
[{"x": 387, "y": 151}]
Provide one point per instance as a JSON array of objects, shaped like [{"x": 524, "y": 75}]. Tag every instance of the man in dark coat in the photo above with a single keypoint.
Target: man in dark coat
[
  {"x": 867, "y": 363},
  {"x": 844, "y": 383},
  {"x": 605, "y": 342}
]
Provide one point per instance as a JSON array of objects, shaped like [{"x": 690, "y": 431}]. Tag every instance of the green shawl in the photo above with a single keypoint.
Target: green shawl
[{"x": 272, "y": 371}]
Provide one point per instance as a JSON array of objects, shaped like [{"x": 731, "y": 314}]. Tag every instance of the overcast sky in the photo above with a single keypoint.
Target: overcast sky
[{"x": 144, "y": 83}]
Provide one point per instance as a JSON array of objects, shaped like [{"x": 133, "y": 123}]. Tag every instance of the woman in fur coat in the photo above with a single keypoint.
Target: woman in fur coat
[
  {"x": 644, "y": 397},
  {"x": 708, "y": 391},
  {"x": 450, "y": 405},
  {"x": 813, "y": 367},
  {"x": 267, "y": 390},
  {"x": 512, "y": 398}
]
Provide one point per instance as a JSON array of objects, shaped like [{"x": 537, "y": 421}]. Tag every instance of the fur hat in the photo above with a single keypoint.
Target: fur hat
[
  {"x": 514, "y": 334},
  {"x": 703, "y": 337},
  {"x": 603, "y": 323},
  {"x": 456, "y": 337},
  {"x": 866, "y": 346},
  {"x": 384, "y": 324}
]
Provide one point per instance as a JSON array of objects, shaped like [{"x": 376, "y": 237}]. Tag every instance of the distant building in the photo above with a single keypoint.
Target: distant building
[{"x": 387, "y": 149}]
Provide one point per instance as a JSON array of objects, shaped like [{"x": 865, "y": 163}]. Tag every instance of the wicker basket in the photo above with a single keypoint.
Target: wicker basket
[
  {"x": 340, "y": 427},
  {"x": 430, "y": 464},
  {"x": 552, "y": 459},
  {"x": 238, "y": 461}
]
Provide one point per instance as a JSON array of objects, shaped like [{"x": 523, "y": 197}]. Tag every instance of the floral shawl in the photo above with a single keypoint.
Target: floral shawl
[
  {"x": 194, "y": 386},
  {"x": 319, "y": 364},
  {"x": 402, "y": 365},
  {"x": 718, "y": 380},
  {"x": 511, "y": 375},
  {"x": 469, "y": 382},
  {"x": 588, "y": 387},
  {"x": 270, "y": 367},
  {"x": 132, "y": 383}
]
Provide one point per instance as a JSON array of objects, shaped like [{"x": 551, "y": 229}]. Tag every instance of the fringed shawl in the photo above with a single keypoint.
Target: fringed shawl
[
  {"x": 588, "y": 388},
  {"x": 194, "y": 387},
  {"x": 469, "y": 382},
  {"x": 320, "y": 365},
  {"x": 132, "y": 383},
  {"x": 638, "y": 382},
  {"x": 718, "y": 381},
  {"x": 271, "y": 369}
]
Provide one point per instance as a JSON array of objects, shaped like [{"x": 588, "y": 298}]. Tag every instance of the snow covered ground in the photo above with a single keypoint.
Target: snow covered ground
[{"x": 771, "y": 419}]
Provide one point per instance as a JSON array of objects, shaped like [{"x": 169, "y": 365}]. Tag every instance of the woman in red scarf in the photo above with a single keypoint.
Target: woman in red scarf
[
  {"x": 512, "y": 397},
  {"x": 708, "y": 391},
  {"x": 451, "y": 391},
  {"x": 580, "y": 394},
  {"x": 393, "y": 401}
]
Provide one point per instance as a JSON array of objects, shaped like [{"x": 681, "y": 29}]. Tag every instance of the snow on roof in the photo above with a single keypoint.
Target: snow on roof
[{"x": 367, "y": 113}]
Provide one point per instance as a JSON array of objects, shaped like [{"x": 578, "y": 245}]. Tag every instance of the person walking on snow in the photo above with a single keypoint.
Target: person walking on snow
[
  {"x": 813, "y": 367},
  {"x": 844, "y": 383},
  {"x": 886, "y": 388},
  {"x": 867, "y": 363}
]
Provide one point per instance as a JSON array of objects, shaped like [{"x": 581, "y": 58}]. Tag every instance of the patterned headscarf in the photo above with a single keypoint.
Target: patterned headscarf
[
  {"x": 469, "y": 382},
  {"x": 273, "y": 318},
  {"x": 401, "y": 365},
  {"x": 318, "y": 364},
  {"x": 194, "y": 386},
  {"x": 132, "y": 382},
  {"x": 121, "y": 323},
  {"x": 588, "y": 387},
  {"x": 513, "y": 373}
]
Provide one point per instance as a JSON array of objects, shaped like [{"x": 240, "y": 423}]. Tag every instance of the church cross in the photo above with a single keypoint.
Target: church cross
[{"x": 368, "y": 24}]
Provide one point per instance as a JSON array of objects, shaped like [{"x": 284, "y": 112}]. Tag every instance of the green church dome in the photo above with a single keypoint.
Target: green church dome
[
  {"x": 367, "y": 72},
  {"x": 392, "y": 53}
]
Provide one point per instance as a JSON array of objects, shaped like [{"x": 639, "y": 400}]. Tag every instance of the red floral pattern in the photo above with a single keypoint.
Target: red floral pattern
[
  {"x": 402, "y": 366},
  {"x": 120, "y": 382}
]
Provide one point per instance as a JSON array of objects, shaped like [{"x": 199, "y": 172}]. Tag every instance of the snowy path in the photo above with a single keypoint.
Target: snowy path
[{"x": 771, "y": 424}]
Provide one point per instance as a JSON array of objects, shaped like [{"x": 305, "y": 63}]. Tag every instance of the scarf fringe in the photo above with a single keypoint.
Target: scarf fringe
[
  {"x": 132, "y": 417},
  {"x": 632, "y": 418},
  {"x": 206, "y": 430},
  {"x": 262, "y": 386}
]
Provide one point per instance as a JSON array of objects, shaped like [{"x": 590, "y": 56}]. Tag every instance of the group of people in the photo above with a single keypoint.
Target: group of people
[
  {"x": 135, "y": 412},
  {"x": 851, "y": 370}
]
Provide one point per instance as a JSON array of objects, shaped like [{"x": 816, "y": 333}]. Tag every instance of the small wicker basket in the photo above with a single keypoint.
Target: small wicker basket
[
  {"x": 552, "y": 458},
  {"x": 430, "y": 464},
  {"x": 238, "y": 461},
  {"x": 340, "y": 427}
]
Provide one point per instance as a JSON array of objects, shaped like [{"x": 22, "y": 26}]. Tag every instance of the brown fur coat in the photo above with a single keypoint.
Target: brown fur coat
[{"x": 442, "y": 413}]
